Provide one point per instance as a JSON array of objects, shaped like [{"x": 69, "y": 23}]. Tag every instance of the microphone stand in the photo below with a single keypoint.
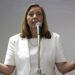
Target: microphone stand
[
  {"x": 38, "y": 37},
  {"x": 39, "y": 69}
]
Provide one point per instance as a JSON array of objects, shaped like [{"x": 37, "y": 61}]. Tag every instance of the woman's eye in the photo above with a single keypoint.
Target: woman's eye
[
  {"x": 39, "y": 14},
  {"x": 31, "y": 14}
]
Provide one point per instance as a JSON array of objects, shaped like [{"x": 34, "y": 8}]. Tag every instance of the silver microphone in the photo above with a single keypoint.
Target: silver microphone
[{"x": 38, "y": 26}]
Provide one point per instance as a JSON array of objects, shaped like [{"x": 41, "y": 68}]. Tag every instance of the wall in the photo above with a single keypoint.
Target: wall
[{"x": 60, "y": 16}]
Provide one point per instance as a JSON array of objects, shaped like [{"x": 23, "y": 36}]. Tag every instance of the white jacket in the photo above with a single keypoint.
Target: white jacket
[{"x": 18, "y": 54}]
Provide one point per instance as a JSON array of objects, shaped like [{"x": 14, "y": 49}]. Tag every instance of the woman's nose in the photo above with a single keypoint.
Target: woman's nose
[{"x": 35, "y": 16}]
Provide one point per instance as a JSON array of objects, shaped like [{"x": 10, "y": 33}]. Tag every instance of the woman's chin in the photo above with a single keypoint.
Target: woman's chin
[{"x": 33, "y": 26}]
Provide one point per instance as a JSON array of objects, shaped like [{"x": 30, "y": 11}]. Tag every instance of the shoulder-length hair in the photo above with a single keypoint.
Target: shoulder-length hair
[{"x": 25, "y": 30}]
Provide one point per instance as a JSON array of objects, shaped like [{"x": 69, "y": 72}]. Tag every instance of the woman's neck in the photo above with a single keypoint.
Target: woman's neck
[{"x": 34, "y": 33}]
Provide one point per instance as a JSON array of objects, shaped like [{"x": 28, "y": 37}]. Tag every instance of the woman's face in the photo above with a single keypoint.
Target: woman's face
[{"x": 34, "y": 15}]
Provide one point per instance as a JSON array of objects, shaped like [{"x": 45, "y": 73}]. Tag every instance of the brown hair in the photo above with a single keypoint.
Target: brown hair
[{"x": 25, "y": 31}]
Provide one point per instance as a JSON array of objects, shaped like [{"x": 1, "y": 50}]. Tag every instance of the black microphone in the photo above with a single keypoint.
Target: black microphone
[{"x": 38, "y": 26}]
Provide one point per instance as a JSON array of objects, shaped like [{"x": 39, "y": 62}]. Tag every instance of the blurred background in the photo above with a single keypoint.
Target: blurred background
[{"x": 60, "y": 16}]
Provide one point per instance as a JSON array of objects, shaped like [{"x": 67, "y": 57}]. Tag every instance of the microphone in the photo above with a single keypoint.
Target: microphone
[{"x": 38, "y": 26}]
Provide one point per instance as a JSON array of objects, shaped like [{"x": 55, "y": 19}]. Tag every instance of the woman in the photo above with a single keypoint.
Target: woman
[{"x": 22, "y": 48}]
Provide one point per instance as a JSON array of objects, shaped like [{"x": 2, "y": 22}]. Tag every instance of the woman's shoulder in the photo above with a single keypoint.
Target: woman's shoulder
[
  {"x": 55, "y": 34},
  {"x": 15, "y": 37}
]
